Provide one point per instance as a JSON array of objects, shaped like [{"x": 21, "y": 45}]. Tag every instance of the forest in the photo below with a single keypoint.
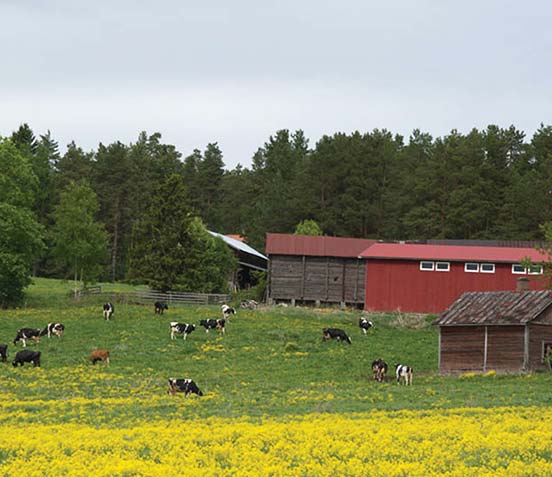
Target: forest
[{"x": 487, "y": 184}]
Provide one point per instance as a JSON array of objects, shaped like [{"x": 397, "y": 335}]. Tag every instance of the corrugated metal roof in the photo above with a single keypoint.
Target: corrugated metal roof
[
  {"x": 312, "y": 245},
  {"x": 453, "y": 253},
  {"x": 495, "y": 308},
  {"x": 236, "y": 244}
]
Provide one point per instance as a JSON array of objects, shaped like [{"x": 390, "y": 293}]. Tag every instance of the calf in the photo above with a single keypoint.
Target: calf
[
  {"x": 99, "y": 355},
  {"x": 27, "y": 356},
  {"x": 227, "y": 311},
  {"x": 379, "y": 368},
  {"x": 160, "y": 307},
  {"x": 186, "y": 386},
  {"x": 335, "y": 333},
  {"x": 365, "y": 325},
  {"x": 108, "y": 310},
  {"x": 53, "y": 329},
  {"x": 3, "y": 352},
  {"x": 180, "y": 329},
  {"x": 25, "y": 334},
  {"x": 404, "y": 372},
  {"x": 212, "y": 324}
]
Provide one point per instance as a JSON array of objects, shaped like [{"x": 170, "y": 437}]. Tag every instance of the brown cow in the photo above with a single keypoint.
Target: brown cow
[{"x": 99, "y": 355}]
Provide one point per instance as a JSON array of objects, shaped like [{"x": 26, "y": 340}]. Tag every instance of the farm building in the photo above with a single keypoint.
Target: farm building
[
  {"x": 304, "y": 268},
  {"x": 428, "y": 278},
  {"x": 505, "y": 331}
]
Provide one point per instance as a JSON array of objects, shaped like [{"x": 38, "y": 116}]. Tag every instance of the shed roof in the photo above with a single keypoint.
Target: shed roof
[
  {"x": 313, "y": 245},
  {"x": 453, "y": 253},
  {"x": 496, "y": 308},
  {"x": 238, "y": 245}
]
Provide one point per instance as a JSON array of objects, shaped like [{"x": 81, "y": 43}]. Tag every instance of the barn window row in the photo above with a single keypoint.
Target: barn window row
[
  {"x": 474, "y": 267},
  {"x": 479, "y": 267},
  {"x": 519, "y": 269}
]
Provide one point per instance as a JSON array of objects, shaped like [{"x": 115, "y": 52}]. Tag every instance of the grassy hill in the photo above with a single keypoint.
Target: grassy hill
[{"x": 271, "y": 362}]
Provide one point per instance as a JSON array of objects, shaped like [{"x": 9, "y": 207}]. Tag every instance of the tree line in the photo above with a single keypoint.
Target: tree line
[{"x": 486, "y": 184}]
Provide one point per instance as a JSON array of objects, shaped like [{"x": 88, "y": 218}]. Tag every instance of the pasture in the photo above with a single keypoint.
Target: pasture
[{"x": 268, "y": 379}]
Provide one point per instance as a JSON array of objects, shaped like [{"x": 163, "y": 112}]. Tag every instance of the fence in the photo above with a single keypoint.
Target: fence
[{"x": 151, "y": 296}]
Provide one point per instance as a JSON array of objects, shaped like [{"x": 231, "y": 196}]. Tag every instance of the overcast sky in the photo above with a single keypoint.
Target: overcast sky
[{"x": 235, "y": 72}]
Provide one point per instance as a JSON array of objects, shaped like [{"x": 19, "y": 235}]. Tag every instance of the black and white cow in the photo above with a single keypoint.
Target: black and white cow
[
  {"x": 335, "y": 333},
  {"x": 186, "y": 386},
  {"x": 364, "y": 324},
  {"x": 404, "y": 372},
  {"x": 212, "y": 324},
  {"x": 160, "y": 307},
  {"x": 379, "y": 368},
  {"x": 25, "y": 334},
  {"x": 27, "y": 356},
  {"x": 53, "y": 329},
  {"x": 227, "y": 311},
  {"x": 180, "y": 329},
  {"x": 108, "y": 310},
  {"x": 3, "y": 352}
]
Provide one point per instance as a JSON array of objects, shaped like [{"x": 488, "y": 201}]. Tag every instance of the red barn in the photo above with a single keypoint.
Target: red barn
[{"x": 428, "y": 278}]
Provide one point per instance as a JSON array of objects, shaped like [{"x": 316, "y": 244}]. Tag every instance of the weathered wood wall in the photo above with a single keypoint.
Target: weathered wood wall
[
  {"x": 462, "y": 348},
  {"x": 328, "y": 279},
  {"x": 538, "y": 334},
  {"x": 505, "y": 345}
]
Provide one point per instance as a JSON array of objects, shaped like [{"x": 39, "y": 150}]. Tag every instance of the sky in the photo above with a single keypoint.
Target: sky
[{"x": 236, "y": 72}]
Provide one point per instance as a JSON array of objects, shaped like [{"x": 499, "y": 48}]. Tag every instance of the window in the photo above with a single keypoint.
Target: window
[
  {"x": 535, "y": 270},
  {"x": 442, "y": 266},
  {"x": 487, "y": 268},
  {"x": 427, "y": 266},
  {"x": 518, "y": 269},
  {"x": 471, "y": 267}
]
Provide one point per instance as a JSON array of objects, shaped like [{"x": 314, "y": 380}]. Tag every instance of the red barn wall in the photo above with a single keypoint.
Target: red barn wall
[{"x": 401, "y": 285}]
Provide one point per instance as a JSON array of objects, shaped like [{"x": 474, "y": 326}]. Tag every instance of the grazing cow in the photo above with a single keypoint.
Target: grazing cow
[
  {"x": 227, "y": 311},
  {"x": 25, "y": 334},
  {"x": 160, "y": 307},
  {"x": 249, "y": 304},
  {"x": 99, "y": 355},
  {"x": 3, "y": 352},
  {"x": 404, "y": 372},
  {"x": 27, "y": 356},
  {"x": 364, "y": 324},
  {"x": 379, "y": 368},
  {"x": 53, "y": 329},
  {"x": 180, "y": 329},
  {"x": 186, "y": 386},
  {"x": 108, "y": 310},
  {"x": 335, "y": 333},
  {"x": 212, "y": 324}
]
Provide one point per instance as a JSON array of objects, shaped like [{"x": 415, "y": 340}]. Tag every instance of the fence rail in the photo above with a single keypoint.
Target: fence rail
[{"x": 152, "y": 296}]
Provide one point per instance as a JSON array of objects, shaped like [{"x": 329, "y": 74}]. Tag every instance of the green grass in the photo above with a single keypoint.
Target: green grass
[{"x": 271, "y": 362}]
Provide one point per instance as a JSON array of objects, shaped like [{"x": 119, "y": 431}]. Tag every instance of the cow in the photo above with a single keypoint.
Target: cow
[
  {"x": 379, "y": 368},
  {"x": 364, "y": 324},
  {"x": 335, "y": 333},
  {"x": 404, "y": 372},
  {"x": 186, "y": 386},
  {"x": 108, "y": 311},
  {"x": 180, "y": 329},
  {"x": 53, "y": 329},
  {"x": 99, "y": 355},
  {"x": 25, "y": 334},
  {"x": 27, "y": 356},
  {"x": 3, "y": 352},
  {"x": 160, "y": 307},
  {"x": 227, "y": 311},
  {"x": 212, "y": 324},
  {"x": 249, "y": 304}
]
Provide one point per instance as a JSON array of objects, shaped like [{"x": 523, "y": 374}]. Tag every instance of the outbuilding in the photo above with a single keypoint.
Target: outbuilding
[
  {"x": 428, "y": 278},
  {"x": 505, "y": 331},
  {"x": 319, "y": 269}
]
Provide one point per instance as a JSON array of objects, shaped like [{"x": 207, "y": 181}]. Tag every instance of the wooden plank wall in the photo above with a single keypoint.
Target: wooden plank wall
[
  {"x": 328, "y": 279},
  {"x": 537, "y": 335},
  {"x": 505, "y": 348},
  {"x": 462, "y": 348}
]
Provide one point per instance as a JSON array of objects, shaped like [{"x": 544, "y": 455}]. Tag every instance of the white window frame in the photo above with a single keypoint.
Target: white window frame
[
  {"x": 427, "y": 269},
  {"x": 524, "y": 272},
  {"x": 535, "y": 273},
  {"x": 471, "y": 271},
  {"x": 487, "y": 271},
  {"x": 437, "y": 269}
]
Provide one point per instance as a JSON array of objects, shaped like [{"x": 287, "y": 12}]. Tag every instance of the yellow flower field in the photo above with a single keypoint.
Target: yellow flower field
[{"x": 459, "y": 442}]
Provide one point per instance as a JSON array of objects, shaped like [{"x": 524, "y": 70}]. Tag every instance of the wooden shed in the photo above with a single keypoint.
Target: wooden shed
[
  {"x": 304, "y": 268},
  {"x": 505, "y": 331}
]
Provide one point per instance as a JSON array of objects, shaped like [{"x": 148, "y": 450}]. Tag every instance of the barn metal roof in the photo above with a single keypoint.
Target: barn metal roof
[
  {"x": 496, "y": 308},
  {"x": 312, "y": 245},
  {"x": 238, "y": 245},
  {"x": 453, "y": 253}
]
